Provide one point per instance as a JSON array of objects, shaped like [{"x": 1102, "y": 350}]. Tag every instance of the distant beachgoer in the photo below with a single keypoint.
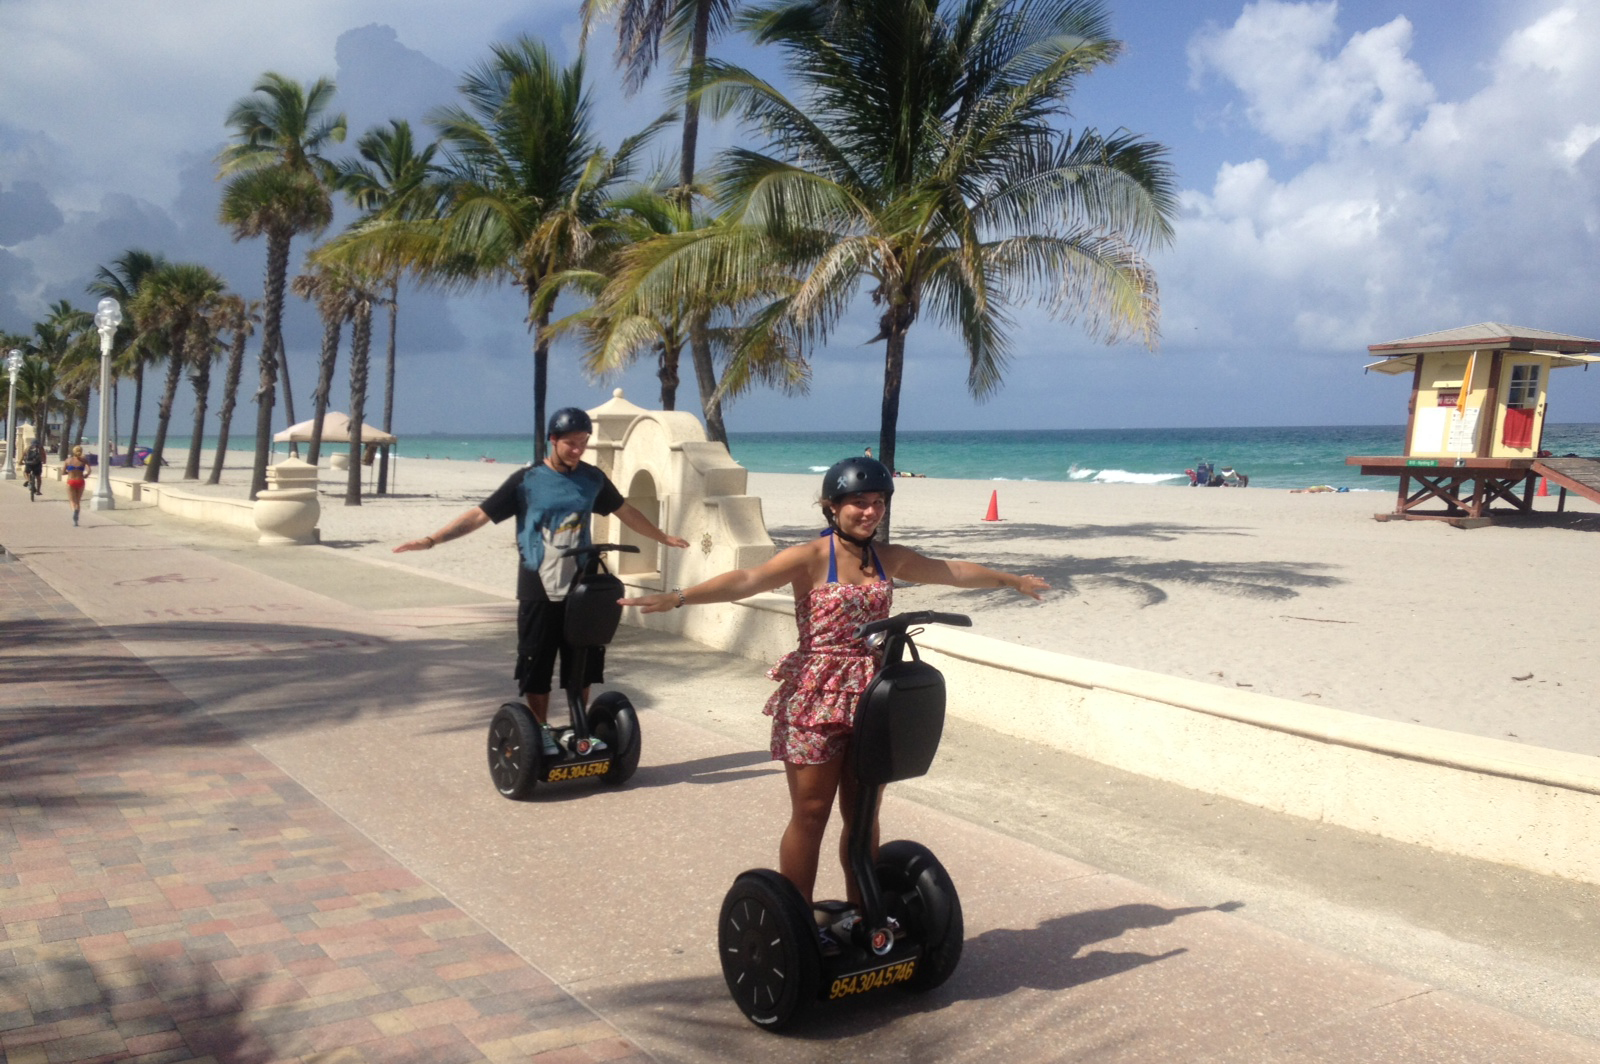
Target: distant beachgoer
[
  {"x": 76, "y": 470},
  {"x": 869, "y": 452},
  {"x": 552, "y": 503},
  {"x": 840, "y": 580}
]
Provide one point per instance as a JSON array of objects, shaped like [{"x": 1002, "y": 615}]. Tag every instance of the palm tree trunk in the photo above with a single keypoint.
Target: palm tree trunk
[
  {"x": 230, "y": 393},
  {"x": 271, "y": 339},
  {"x": 201, "y": 379},
  {"x": 388, "y": 386},
  {"x": 541, "y": 373},
  {"x": 152, "y": 469},
  {"x": 691, "y": 107},
  {"x": 671, "y": 350},
  {"x": 705, "y": 372},
  {"x": 288, "y": 392},
  {"x": 360, "y": 348},
  {"x": 699, "y": 42},
  {"x": 138, "y": 401},
  {"x": 332, "y": 323},
  {"x": 894, "y": 359}
]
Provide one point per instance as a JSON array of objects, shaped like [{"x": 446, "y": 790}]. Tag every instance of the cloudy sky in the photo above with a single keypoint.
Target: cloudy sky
[{"x": 1351, "y": 173}]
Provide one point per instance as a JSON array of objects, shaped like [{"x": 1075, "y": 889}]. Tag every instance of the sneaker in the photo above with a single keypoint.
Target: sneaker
[
  {"x": 549, "y": 741},
  {"x": 826, "y": 942},
  {"x": 844, "y": 927}
]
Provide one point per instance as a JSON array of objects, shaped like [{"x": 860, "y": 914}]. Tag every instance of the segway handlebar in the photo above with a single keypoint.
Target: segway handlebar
[
  {"x": 596, "y": 548},
  {"x": 901, "y": 621}
]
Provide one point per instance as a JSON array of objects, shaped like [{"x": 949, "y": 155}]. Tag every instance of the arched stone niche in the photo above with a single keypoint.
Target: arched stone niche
[{"x": 663, "y": 464}]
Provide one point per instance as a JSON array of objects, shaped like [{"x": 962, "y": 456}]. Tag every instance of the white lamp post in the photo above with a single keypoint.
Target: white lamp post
[
  {"x": 106, "y": 318},
  {"x": 13, "y": 367}
]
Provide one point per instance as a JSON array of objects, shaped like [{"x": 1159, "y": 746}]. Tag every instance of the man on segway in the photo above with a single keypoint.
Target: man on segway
[{"x": 552, "y": 502}]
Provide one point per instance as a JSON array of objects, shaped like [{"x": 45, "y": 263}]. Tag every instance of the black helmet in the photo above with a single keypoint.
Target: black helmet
[
  {"x": 568, "y": 419},
  {"x": 854, "y": 475}
]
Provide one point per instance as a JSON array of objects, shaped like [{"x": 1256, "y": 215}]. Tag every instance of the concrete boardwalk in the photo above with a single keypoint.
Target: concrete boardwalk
[{"x": 246, "y": 817}]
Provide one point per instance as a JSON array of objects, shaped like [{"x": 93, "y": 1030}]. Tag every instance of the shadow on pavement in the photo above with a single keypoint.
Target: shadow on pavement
[
  {"x": 1144, "y": 579},
  {"x": 707, "y": 770},
  {"x": 1051, "y": 957},
  {"x": 995, "y": 963},
  {"x": 1160, "y": 531}
]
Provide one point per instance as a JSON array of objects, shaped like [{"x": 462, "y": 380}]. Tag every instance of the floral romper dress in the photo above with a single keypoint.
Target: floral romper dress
[{"x": 813, "y": 711}]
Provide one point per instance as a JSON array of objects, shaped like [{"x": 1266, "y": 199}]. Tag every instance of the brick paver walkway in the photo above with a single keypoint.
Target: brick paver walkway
[{"x": 167, "y": 894}]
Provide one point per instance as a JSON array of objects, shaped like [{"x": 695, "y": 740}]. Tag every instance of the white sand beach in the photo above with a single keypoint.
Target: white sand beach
[{"x": 1301, "y": 596}]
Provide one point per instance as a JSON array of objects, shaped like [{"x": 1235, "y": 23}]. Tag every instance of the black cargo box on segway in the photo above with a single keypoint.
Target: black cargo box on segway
[{"x": 602, "y": 741}]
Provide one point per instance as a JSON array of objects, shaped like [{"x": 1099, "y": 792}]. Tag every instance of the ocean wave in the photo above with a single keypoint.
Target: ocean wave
[{"x": 1122, "y": 476}]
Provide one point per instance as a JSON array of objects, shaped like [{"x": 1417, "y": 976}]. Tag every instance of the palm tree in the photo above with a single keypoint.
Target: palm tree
[
  {"x": 177, "y": 301},
  {"x": 36, "y": 389},
  {"x": 121, "y": 281},
  {"x": 926, "y": 158},
  {"x": 239, "y": 318},
  {"x": 523, "y": 183},
  {"x": 632, "y": 314},
  {"x": 205, "y": 349},
  {"x": 361, "y": 302},
  {"x": 278, "y": 190},
  {"x": 330, "y": 288},
  {"x": 49, "y": 348},
  {"x": 642, "y": 25},
  {"x": 614, "y": 336},
  {"x": 67, "y": 340},
  {"x": 391, "y": 179}
]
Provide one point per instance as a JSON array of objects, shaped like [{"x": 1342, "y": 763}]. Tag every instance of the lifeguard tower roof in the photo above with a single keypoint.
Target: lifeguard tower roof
[{"x": 1489, "y": 336}]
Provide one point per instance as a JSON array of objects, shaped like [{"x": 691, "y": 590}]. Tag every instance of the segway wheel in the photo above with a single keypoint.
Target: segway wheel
[
  {"x": 910, "y": 871},
  {"x": 768, "y": 944},
  {"x": 514, "y": 746},
  {"x": 613, "y": 720}
]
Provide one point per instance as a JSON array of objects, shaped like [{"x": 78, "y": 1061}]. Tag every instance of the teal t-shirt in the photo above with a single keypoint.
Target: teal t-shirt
[{"x": 552, "y": 511}]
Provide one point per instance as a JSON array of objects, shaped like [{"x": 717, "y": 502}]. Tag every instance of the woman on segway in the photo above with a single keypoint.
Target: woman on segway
[{"x": 841, "y": 580}]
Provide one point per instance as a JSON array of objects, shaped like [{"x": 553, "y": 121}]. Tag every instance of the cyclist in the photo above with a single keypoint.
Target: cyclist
[{"x": 33, "y": 467}]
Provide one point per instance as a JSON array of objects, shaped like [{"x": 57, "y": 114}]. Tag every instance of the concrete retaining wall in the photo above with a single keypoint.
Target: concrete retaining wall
[
  {"x": 1483, "y": 798},
  {"x": 239, "y": 513}
]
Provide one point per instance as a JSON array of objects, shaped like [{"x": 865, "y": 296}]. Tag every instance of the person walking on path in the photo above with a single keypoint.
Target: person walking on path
[
  {"x": 77, "y": 473},
  {"x": 841, "y": 580},
  {"x": 552, "y": 502}
]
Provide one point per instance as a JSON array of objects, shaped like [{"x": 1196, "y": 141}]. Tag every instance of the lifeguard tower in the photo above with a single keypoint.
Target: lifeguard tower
[{"x": 1478, "y": 397}]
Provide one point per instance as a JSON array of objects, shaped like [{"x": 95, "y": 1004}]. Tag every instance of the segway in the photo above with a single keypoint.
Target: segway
[
  {"x": 908, "y": 931},
  {"x": 517, "y": 762}
]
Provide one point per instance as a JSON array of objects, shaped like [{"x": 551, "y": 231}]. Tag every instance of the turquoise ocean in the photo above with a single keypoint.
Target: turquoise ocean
[{"x": 1272, "y": 457}]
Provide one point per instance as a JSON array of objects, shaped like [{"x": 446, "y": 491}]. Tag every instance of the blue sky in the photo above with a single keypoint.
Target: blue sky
[{"x": 1352, "y": 173}]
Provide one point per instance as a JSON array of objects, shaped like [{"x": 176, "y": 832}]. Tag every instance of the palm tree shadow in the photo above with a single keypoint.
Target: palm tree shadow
[
  {"x": 1051, "y": 957},
  {"x": 1148, "y": 581}
]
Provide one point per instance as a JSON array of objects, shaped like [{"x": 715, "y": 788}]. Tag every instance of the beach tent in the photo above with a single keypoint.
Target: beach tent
[{"x": 335, "y": 429}]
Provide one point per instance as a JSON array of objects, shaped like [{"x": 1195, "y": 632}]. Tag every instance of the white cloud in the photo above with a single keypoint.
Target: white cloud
[
  {"x": 1300, "y": 92},
  {"x": 136, "y": 83},
  {"x": 1412, "y": 213}
]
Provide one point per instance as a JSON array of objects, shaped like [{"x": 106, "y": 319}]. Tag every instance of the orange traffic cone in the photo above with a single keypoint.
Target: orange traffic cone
[
  {"x": 1544, "y": 486},
  {"x": 994, "y": 507}
]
